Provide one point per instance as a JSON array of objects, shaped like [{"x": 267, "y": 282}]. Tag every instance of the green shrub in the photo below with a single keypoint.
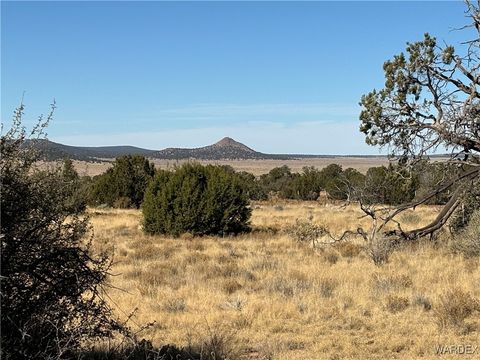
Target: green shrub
[
  {"x": 304, "y": 186},
  {"x": 51, "y": 300},
  {"x": 278, "y": 181},
  {"x": 128, "y": 178},
  {"x": 332, "y": 182},
  {"x": 253, "y": 187},
  {"x": 390, "y": 185},
  {"x": 196, "y": 199},
  {"x": 77, "y": 187}
]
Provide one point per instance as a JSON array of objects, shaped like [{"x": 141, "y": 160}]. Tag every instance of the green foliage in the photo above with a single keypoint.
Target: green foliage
[
  {"x": 77, "y": 187},
  {"x": 430, "y": 176},
  {"x": 352, "y": 181},
  {"x": 50, "y": 281},
  {"x": 308, "y": 185},
  {"x": 389, "y": 185},
  {"x": 196, "y": 199},
  {"x": 400, "y": 113},
  {"x": 332, "y": 182},
  {"x": 277, "y": 180},
  {"x": 253, "y": 187},
  {"x": 127, "y": 179},
  {"x": 430, "y": 101}
]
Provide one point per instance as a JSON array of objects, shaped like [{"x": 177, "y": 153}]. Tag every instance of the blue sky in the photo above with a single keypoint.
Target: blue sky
[{"x": 282, "y": 77}]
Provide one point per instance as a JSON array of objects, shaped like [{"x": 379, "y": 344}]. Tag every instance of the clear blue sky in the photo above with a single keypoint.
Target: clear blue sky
[{"x": 282, "y": 77}]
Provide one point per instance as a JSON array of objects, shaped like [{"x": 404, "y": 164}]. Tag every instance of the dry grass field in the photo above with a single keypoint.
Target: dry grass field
[
  {"x": 270, "y": 297},
  {"x": 256, "y": 167},
  {"x": 259, "y": 167}
]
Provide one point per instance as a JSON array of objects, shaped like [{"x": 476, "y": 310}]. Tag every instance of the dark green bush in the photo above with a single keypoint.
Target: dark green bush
[
  {"x": 50, "y": 281},
  {"x": 277, "y": 181},
  {"x": 304, "y": 186},
  {"x": 331, "y": 181},
  {"x": 308, "y": 184},
  {"x": 390, "y": 185},
  {"x": 77, "y": 187},
  {"x": 254, "y": 189},
  {"x": 123, "y": 184},
  {"x": 350, "y": 185},
  {"x": 196, "y": 199}
]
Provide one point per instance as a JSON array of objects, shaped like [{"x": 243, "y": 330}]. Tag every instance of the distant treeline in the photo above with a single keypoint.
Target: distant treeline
[{"x": 124, "y": 184}]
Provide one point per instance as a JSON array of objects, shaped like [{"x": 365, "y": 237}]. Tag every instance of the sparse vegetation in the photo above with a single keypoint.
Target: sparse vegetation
[
  {"x": 277, "y": 294},
  {"x": 454, "y": 307},
  {"x": 467, "y": 241},
  {"x": 327, "y": 263}
]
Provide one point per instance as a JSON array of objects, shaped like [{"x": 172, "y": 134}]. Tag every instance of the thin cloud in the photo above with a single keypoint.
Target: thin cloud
[
  {"x": 326, "y": 138},
  {"x": 223, "y": 111}
]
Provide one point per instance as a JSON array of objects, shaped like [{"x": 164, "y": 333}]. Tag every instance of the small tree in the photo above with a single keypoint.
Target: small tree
[
  {"x": 389, "y": 185},
  {"x": 351, "y": 179},
  {"x": 76, "y": 187},
  {"x": 431, "y": 100},
  {"x": 50, "y": 281},
  {"x": 124, "y": 184},
  {"x": 277, "y": 181},
  {"x": 196, "y": 199},
  {"x": 253, "y": 187},
  {"x": 430, "y": 176}
]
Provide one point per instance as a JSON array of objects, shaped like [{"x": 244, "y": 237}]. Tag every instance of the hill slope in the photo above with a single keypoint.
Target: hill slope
[
  {"x": 55, "y": 151},
  {"x": 227, "y": 148}
]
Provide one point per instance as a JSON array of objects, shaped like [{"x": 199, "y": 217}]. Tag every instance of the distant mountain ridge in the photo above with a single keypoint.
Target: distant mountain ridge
[
  {"x": 225, "y": 149},
  {"x": 55, "y": 151}
]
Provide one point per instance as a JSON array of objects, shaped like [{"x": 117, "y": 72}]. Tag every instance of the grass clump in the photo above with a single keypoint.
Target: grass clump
[
  {"x": 467, "y": 241},
  {"x": 454, "y": 307},
  {"x": 386, "y": 283},
  {"x": 327, "y": 286},
  {"x": 306, "y": 232},
  {"x": 422, "y": 301},
  {"x": 176, "y": 305},
  {"x": 348, "y": 249},
  {"x": 396, "y": 303}
]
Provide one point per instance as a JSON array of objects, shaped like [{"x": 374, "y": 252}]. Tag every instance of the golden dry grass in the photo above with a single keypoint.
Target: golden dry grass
[
  {"x": 283, "y": 300},
  {"x": 256, "y": 167},
  {"x": 259, "y": 167}
]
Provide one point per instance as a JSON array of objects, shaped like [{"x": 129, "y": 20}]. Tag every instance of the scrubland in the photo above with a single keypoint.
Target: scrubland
[
  {"x": 256, "y": 167},
  {"x": 267, "y": 296}
]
